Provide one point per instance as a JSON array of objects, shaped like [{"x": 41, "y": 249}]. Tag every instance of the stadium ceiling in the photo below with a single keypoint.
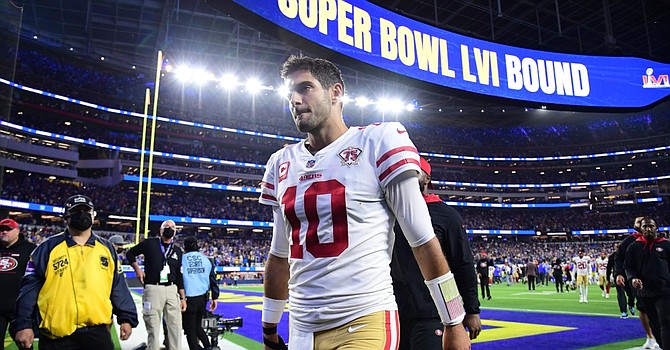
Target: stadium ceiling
[{"x": 130, "y": 32}]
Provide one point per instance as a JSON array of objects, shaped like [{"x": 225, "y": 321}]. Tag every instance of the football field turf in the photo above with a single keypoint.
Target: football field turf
[{"x": 513, "y": 319}]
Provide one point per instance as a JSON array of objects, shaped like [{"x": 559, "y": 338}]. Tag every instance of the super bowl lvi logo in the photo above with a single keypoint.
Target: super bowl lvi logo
[{"x": 350, "y": 155}]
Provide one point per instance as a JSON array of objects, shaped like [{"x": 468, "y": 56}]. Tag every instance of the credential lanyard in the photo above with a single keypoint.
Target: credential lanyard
[{"x": 166, "y": 251}]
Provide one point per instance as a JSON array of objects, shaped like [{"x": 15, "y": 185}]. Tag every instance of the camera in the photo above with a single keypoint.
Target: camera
[{"x": 215, "y": 325}]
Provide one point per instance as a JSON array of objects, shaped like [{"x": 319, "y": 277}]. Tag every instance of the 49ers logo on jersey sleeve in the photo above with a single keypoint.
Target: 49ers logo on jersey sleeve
[{"x": 350, "y": 156}]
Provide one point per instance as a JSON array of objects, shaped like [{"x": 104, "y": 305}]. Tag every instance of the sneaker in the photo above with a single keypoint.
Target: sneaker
[
  {"x": 650, "y": 344},
  {"x": 581, "y": 300},
  {"x": 489, "y": 298},
  {"x": 632, "y": 310},
  {"x": 624, "y": 315},
  {"x": 602, "y": 294},
  {"x": 607, "y": 295}
]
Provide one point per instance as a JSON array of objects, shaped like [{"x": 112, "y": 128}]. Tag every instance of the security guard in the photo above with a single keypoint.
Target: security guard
[
  {"x": 73, "y": 278},
  {"x": 199, "y": 279}
]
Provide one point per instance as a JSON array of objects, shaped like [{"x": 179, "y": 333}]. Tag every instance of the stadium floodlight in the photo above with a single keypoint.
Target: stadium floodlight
[
  {"x": 201, "y": 76},
  {"x": 283, "y": 91},
  {"x": 362, "y": 101},
  {"x": 410, "y": 107},
  {"x": 229, "y": 81},
  {"x": 390, "y": 105},
  {"x": 254, "y": 85},
  {"x": 183, "y": 73}
]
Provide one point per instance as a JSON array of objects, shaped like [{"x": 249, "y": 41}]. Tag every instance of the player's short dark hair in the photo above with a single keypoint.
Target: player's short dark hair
[{"x": 323, "y": 70}]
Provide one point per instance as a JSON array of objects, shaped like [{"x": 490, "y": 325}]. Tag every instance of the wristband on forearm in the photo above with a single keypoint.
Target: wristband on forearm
[
  {"x": 272, "y": 310},
  {"x": 275, "y": 346},
  {"x": 447, "y": 299}
]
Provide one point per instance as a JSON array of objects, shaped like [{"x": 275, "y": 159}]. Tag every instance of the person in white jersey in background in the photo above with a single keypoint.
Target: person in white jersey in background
[
  {"x": 603, "y": 282},
  {"x": 336, "y": 196},
  {"x": 583, "y": 267}
]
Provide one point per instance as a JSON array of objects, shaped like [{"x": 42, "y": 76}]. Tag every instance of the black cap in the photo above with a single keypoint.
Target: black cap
[{"x": 78, "y": 200}]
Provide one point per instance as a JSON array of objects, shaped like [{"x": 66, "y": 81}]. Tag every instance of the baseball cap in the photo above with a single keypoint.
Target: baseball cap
[
  {"x": 425, "y": 166},
  {"x": 9, "y": 223},
  {"x": 77, "y": 200},
  {"x": 117, "y": 239}
]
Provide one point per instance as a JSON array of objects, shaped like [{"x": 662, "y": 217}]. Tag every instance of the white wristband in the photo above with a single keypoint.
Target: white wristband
[
  {"x": 272, "y": 310},
  {"x": 447, "y": 299}
]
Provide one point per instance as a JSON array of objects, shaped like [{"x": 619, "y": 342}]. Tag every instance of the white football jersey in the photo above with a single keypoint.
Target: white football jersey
[
  {"x": 583, "y": 265},
  {"x": 601, "y": 266},
  {"x": 339, "y": 228}
]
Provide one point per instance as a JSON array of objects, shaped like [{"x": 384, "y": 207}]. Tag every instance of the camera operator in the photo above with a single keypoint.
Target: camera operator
[{"x": 199, "y": 279}]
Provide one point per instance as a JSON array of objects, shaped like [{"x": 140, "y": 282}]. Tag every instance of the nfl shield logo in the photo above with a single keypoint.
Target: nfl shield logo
[
  {"x": 349, "y": 156},
  {"x": 310, "y": 163}
]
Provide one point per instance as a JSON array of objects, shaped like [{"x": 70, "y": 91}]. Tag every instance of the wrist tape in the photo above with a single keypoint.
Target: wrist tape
[
  {"x": 447, "y": 299},
  {"x": 272, "y": 310}
]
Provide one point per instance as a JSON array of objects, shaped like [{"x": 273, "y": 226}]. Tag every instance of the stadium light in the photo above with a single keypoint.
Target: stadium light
[
  {"x": 362, "y": 101},
  {"x": 183, "y": 73},
  {"x": 229, "y": 81},
  {"x": 201, "y": 76},
  {"x": 283, "y": 91},
  {"x": 390, "y": 105},
  {"x": 254, "y": 85}
]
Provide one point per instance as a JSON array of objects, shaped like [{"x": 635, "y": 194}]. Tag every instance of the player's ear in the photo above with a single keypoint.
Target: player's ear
[{"x": 336, "y": 93}]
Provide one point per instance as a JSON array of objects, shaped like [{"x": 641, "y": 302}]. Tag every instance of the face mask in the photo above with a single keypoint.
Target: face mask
[
  {"x": 81, "y": 221},
  {"x": 168, "y": 232}
]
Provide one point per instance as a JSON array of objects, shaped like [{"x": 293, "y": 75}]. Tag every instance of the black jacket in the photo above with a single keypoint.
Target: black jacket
[
  {"x": 412, "y": 296},
  {"x": 619, "y": 268},
  {"x": 13, "y": 261},
  {"x": 650, "y": 262},
  {"x": 154, "y": 260},
  {"x": 611, "y": 264}
]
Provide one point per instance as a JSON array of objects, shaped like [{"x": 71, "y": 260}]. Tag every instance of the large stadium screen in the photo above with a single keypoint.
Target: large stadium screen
[{"x": 370, "y": 34}]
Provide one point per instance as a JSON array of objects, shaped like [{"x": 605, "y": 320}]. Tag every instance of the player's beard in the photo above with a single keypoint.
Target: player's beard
[{"x": 319, "y": 114}]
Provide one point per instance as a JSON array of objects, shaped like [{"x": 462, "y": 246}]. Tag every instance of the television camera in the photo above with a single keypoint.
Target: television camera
[{"x": 215, "y": 325}]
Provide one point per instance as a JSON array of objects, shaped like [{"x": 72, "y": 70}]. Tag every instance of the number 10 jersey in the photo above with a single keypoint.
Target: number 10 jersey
[{"x": 336, "y": 228}]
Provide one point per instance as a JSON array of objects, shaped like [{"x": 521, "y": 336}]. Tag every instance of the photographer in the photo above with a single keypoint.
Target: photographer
[{"x": 199, "y": 278}]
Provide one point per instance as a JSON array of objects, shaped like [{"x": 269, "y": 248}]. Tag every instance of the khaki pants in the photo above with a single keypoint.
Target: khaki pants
[
  {"x": 159, "y": 301},
  {"x": 583, "y": 280}
]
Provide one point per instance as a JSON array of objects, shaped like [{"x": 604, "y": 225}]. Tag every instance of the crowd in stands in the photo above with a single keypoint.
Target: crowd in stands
[
  {"x": 122, "y": 199},
  {"x": 200, "y": 203},
  {"x": 597, "y": 169},
  {"x": 100, "y": 85},
  {"x": 267, "y": 113}
]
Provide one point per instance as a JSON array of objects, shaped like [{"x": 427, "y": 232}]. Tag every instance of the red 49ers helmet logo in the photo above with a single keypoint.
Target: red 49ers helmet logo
[{"x": 350, "y": 156}]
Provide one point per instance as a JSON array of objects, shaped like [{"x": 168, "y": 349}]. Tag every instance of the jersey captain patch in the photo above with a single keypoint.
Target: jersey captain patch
[
  {"x": 350, "y": 155},
  {"x": 283, "y": 171}
]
